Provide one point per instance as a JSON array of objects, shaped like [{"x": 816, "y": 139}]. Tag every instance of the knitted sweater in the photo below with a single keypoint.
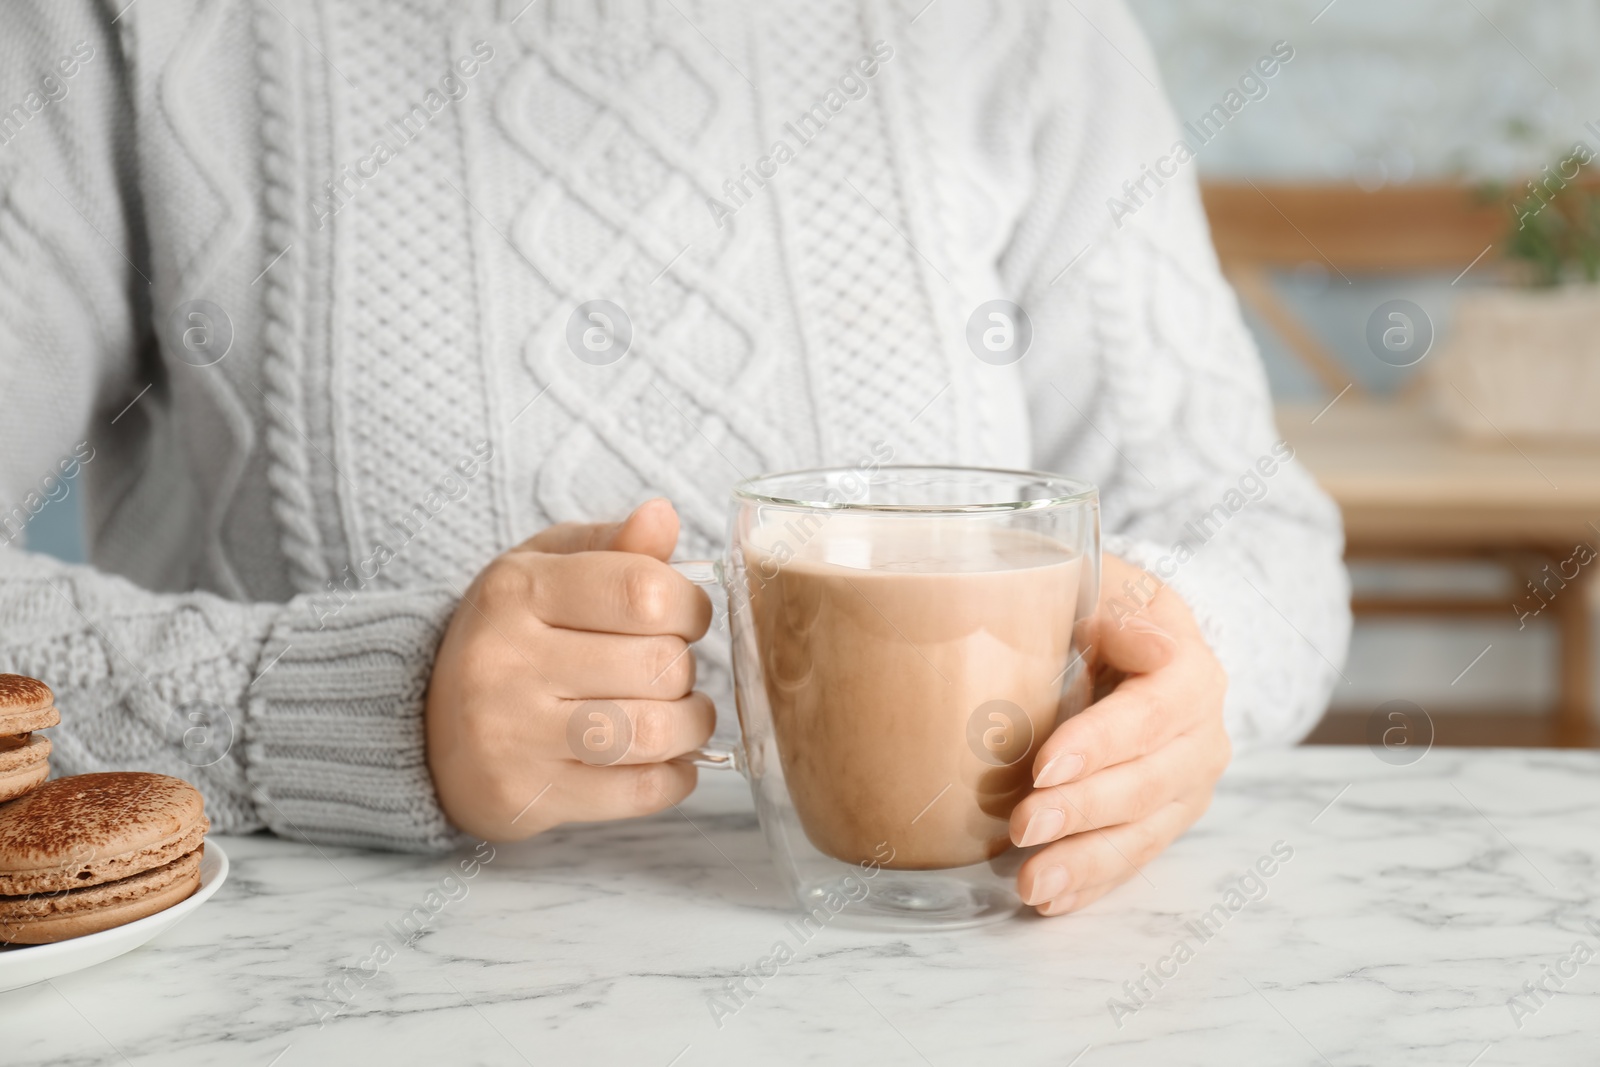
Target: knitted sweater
[{"x": 296, "y": 285}]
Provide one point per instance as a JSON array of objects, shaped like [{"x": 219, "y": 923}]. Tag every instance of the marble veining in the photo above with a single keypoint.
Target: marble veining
[{"x": 1415, "y": 904}]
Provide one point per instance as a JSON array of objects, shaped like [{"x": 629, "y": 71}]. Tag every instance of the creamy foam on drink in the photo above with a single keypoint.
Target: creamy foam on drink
[{"x": 913, "y": 666}]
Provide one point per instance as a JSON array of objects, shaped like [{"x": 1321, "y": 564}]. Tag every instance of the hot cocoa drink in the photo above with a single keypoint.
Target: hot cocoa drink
[{"x": 913, "y": 667}]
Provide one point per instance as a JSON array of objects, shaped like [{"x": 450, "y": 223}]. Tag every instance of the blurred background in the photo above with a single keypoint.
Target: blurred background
[
  {"x": 1410, "y": 216},
  {"x": 1375, "y": 214}
]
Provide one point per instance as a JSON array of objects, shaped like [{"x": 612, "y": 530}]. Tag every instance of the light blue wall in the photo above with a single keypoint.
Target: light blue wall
[
  {"x": 1385, "y": 90},
  {"x": 57, "y": 529}
]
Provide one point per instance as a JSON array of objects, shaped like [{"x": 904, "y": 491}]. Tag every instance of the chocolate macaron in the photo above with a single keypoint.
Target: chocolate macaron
[
  {"x": 93, "y": 851},
  {"x": 24, "y": 764},
  {"x": 26, "y": 704}
]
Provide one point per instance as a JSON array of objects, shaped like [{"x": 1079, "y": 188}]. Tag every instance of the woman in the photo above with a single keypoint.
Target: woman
[{"x": 368, "y": 316}]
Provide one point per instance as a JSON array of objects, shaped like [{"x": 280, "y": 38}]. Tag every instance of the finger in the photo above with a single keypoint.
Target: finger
[
  {"x": 1124, "y": 793},
  {"x": 597, "y": 794},
  {"x": 1080, "y": 899},
  {"x": 1143, "y": 713},
  {"x": 1070, "y": 873},
  {"x": 609, "y": 733},
  {"x": 650, "y": 530},
  {"x": 579, "y": 665},
  {"x": 602, "y": 592}
]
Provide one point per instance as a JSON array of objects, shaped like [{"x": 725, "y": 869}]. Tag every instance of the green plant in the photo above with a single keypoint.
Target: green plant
[{"x": 1555, "y": 223}]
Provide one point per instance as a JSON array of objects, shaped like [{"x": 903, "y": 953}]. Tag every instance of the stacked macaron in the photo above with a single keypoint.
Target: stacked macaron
[
  {"x": 87, "y": 852},
  {"x": 92, "y": 851},
  {"x": 26, "y": 705}
]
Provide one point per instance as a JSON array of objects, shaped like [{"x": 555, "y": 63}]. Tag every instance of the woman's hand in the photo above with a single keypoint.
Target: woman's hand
[
  {"x": 1117, "y": 783},
  {"x": 565, "y": 681}
]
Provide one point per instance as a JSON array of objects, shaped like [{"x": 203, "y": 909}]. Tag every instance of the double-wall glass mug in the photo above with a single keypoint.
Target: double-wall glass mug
[{"x": 904, "y": 640}]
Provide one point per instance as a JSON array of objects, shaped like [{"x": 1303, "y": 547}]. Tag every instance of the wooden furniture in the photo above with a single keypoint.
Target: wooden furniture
[
  {"x": 1262, "y": 227},
  {"x": 1411, "y": 490}
]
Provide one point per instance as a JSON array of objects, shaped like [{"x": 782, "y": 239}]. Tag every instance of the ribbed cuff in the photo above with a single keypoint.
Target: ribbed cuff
[{"x": 335, "y": 742}]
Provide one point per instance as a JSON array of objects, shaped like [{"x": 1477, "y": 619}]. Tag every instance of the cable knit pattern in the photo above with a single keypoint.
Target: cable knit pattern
[
  {"x": 283, "y": 364},
  {"x": 865, "y": 290},
  {"x": 396, "y": 316},
  {"x": 625, "y": 202}
]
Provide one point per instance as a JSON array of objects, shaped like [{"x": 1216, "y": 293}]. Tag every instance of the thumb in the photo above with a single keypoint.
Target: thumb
[
  {"x": 651, "y": 529},
  {"x": 1132, "y": 643}
]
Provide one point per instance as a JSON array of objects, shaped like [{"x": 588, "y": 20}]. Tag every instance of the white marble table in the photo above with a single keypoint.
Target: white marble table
[{"x": 1418, "y": 901}]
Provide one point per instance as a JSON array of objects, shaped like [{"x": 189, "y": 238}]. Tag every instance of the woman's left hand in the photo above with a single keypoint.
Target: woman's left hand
[{"x": 1119, "y": 782}]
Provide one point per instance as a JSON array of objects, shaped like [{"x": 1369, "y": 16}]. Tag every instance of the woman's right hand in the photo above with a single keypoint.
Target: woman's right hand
[{"x": 565, "y": 681}]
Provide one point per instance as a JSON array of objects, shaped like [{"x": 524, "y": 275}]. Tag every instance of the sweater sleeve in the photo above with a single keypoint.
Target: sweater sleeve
[
  {"x": 287, "y": 716},
  {"x": 1144, "y": 375}
]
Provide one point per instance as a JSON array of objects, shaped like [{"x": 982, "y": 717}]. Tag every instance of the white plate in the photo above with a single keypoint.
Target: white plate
[{"x": 26, "y": 964}]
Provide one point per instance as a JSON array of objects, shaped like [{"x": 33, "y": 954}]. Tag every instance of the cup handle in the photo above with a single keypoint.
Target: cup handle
[{"x": 708, "y": 573}]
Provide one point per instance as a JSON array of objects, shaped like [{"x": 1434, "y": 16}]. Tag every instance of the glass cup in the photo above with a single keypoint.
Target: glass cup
[{"x": 904, "y": 640}]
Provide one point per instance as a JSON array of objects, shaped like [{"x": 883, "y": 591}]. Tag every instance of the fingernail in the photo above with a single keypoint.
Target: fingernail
[
  {"x": 1059, "y": 906},
  {"x": 1051, "y": 881},
  {"x": 1045, "y": 824},
  {"x": 1139, "y": 624},
  {"x": 1062, "y": 768}
]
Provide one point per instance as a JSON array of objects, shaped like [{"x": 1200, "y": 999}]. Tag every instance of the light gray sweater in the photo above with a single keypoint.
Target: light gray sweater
[{"x": 294, "y": 283}]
